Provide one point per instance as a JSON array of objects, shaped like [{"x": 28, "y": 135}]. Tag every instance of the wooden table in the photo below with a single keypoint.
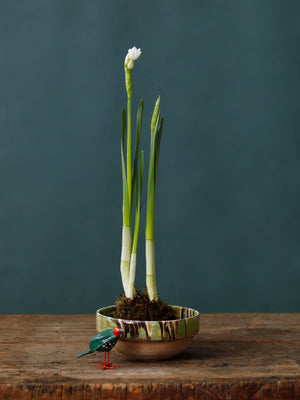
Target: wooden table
[{"x": 235, "y": 356}]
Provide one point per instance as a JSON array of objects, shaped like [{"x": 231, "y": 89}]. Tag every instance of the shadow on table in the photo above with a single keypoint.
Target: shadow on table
[{"x": 220, "y": 350}]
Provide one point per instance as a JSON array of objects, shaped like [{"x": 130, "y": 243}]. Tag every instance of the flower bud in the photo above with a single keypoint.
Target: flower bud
[
  {"x": 130, "y": 64},
  {"x": 132, "y": 55}
]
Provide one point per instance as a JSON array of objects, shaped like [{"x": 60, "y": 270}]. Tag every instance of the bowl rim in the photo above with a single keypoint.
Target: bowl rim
[{"x": 130, "y": 321}]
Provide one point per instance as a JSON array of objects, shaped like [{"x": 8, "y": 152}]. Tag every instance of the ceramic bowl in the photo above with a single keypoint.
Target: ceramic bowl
[{"x": 151, "y": 340}]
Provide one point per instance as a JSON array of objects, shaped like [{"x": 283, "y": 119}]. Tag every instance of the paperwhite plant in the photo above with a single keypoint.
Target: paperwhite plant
[{"x": 132, "y": 177}]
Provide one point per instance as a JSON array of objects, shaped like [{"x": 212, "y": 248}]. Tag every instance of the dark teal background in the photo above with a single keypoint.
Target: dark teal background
[{"x": 227, "y": 220}]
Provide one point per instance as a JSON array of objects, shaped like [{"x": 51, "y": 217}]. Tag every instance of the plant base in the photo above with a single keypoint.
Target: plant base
[{"x": 141, "y": 308}]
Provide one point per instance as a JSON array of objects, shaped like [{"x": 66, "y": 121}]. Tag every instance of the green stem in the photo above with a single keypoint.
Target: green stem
[
  {"x": 129, "y": 157},
  {"x": 128, "y": 85}
]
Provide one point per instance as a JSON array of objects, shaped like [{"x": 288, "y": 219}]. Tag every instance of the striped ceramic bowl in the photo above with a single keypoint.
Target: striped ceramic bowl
[{"x": 151, "y": 340}]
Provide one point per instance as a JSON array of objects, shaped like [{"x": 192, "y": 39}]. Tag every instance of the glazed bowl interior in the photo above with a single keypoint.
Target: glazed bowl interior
[
  {"x": 187, "y": 325},
  {"x": 182, "y": 312}
]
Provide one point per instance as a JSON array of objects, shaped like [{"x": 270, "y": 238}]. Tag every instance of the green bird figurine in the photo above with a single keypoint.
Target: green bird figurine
[{"x": 104, "y": 342}]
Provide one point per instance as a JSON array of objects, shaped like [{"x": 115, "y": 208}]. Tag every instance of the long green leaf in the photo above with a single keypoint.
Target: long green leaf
[
  {"x": 139, "y": 121},
  {"x": 157, "y": 146},
  {"x": 135, "y": 190},
  {"x": 151, "y": 186},
  {"x": 141, "y": 179},
  {"x": 126, "y": 210},
  {"x": 138, "y": 204}
]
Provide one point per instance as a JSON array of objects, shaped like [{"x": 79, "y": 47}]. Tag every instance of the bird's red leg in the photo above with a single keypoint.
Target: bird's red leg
[
  {"x": 104, "y": 363},
  {"x": 107, "y": 365},
  {"x": 110, "y": 366}
]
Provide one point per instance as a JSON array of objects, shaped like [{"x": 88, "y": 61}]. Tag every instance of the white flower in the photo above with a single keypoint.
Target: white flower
[{"x": 132, "y": 55}]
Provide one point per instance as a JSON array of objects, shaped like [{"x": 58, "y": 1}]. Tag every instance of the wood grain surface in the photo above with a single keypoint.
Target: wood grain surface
[{"x": 234, "y": 356}]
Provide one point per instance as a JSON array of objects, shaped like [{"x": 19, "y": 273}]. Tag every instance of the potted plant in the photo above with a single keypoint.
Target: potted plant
[{"x": 152, "y": 328}]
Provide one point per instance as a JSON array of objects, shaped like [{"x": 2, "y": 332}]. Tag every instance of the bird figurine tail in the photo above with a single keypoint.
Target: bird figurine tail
[{"x": 85, "y": 353}]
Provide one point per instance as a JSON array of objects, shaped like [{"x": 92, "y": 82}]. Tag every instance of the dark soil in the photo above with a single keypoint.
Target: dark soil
[{"x": 142, "y": 309}]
